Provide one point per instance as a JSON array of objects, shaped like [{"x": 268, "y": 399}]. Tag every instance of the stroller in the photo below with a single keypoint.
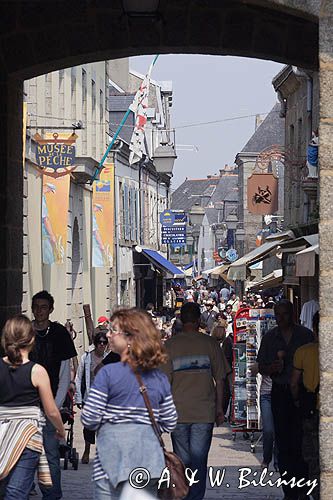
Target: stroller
[{"x": 67, "y": 452}]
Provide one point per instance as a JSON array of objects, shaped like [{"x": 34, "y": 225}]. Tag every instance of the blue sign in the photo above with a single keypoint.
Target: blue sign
[
  {"x": 232, "y": 255},
  {"x": 167, "y": 218},
  {"x": 180, "y": 217},
  {"x": 174, "y": 235},
  {"x": 55, "y": 155}
]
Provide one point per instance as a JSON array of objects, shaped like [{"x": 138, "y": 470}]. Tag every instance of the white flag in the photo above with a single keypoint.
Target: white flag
[{"x": 139, "y": 107}]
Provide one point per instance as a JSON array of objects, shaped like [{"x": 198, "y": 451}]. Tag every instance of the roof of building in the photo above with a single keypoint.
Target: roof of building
[
  {"x": 270, "y": 131},
  {"x": 118, "y": 105},
  {"x": 209, "y": 192},
  {"x": 192, "y": 191}
]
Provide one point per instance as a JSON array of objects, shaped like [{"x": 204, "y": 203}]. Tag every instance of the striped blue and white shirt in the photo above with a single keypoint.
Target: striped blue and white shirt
[{"x": 115, "y": 397}]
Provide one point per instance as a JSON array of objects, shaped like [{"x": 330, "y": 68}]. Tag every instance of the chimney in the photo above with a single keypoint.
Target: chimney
[{"x": 258, "y": 122}]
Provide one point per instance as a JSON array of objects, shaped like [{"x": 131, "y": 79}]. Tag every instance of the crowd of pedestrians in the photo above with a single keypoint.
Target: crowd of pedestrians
[{"x": 183, "y": 360}]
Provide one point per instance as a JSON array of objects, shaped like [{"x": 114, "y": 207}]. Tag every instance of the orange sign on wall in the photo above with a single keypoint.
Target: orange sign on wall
[
  {"x": 55, "y": 202},
  {"x": 262, "y": 194},
  {"x": 103, "y": 218}
]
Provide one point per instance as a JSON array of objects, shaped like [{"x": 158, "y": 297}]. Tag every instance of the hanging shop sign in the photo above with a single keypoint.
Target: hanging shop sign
[
  {"x": 232, "y": 255},
  {"x": 174, "y": 235},
  {"x": 55, "y": 155},
  {"x": 167, "y": 218},
  {"x": 262, "y": 194}
]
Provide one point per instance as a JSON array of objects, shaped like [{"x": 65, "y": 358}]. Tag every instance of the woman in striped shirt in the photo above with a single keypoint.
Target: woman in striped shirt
[{"x": 116, "y": 409}]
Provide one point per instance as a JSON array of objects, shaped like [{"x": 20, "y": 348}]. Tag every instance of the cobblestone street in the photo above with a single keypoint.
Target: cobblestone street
[{"x": 225, "y": 454}]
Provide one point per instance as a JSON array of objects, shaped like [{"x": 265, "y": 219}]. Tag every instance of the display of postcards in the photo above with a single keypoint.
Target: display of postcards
[
  {"x": 241, "y": 336},
  {"x": 240, "y": 371},
  {"x": 240, "y": 352},
  {"x": 254, "y": 313},
  {"x": 240, "y": 389},
  {"x": 252, "y": 325},
  {"x": 240, "y": 409},
  {"x": 251, "y": 342},
  {"x": 241, "y": 323}
]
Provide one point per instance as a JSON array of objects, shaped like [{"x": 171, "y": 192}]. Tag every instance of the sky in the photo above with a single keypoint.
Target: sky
[{"x": 209, "y": 88}]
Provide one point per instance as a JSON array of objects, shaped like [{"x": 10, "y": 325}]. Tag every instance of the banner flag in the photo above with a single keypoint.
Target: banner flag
[
  {"x": 103, "y": 218},
  {"x": 55, "y": 202},
  {"x": 139, "y": 107}
]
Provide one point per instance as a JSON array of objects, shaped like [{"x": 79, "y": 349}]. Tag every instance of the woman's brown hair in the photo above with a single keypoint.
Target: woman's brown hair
[
  {"x": 17, "y": 334},
  {"x": 147, "y": 351}
]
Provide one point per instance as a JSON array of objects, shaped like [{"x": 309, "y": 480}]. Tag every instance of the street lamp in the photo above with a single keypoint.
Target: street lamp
[
  {"x": 240, "y": 234},
  {"x": 196, "y": 213},
  {"x": 164, "y": 158}
]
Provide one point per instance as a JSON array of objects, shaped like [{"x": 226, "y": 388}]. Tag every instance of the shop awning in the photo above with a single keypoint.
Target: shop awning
[
  {"x": 218, "y": 272},
  {"x": 306, "y": 261},
  {"x": 237, "y": 270},
  {"x": 163, "y": 264},
  {"x": 269, "y": 281},
  {"x": 188, "y": 272},
  {"x": 299, "y": 244}
]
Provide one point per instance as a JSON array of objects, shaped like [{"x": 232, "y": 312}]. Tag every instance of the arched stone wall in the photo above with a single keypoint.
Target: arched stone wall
[{"x": 37, "y": 37}]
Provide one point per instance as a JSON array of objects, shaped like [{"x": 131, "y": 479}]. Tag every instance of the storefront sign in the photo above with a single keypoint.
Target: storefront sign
[
  {"x": 174, "y": 235},
  {"x": 262, "y": 194},
  {"x": 56, "y": 155},
  {"x": 232, "y": 255},
  {"x": 167, "y": 218}
]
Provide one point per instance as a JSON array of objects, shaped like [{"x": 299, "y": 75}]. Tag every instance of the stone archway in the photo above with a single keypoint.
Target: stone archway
[{"x": 37, "y": 37}]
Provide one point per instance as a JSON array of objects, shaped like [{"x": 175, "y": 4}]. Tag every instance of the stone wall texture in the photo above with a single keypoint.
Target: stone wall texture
[{"x": 325, "y": 233}]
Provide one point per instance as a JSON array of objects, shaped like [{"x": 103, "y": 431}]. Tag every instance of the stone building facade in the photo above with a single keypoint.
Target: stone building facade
[
  {"x": 298, "y": 91},
  {"x": 269, "y": 133},
  {"x": 55, "y": 100}
]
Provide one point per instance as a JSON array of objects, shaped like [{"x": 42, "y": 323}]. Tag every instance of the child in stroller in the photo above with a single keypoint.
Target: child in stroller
[{"x": 67, "y": 452}]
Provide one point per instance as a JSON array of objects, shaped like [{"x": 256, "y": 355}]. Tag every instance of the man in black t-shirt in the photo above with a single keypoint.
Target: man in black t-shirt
[{"x": 53, "y": 349}]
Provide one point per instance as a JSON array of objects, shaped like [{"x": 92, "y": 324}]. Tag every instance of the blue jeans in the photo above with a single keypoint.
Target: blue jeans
[
  {"x": 191, "y": 442},
  {"x": 19, "y": 481},
  {"x": 51, "y": 446},
  {"x": 269, "y": 443}
]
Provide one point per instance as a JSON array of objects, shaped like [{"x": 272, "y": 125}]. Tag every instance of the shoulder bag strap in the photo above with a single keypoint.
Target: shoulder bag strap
[{"x": 143, "y": 390}]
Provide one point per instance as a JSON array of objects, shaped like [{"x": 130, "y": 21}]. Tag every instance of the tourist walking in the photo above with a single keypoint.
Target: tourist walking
[
  {"x": 196, "y": 371},
  {"x": 24, "y": 385},
  {"x": 115, "y": 406},
  {"x": 275, "y": 358},
  {"x": 53, "y": 349},
  {"x": 90, "y": 360}
]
